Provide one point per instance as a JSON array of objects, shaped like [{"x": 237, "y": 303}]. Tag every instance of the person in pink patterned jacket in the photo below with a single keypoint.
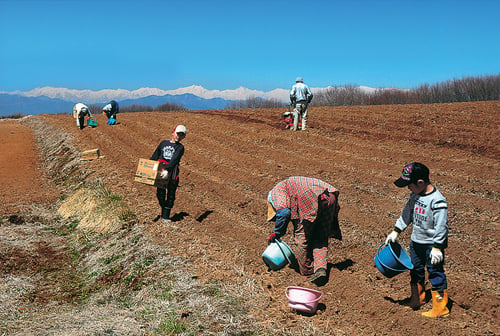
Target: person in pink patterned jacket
[{"x": 312, "y": 206}]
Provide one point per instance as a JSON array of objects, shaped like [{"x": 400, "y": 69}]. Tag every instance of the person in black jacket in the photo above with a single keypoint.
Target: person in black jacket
[
  {"x": 169, "y": 153},
  {"x": 110, "y": 111}
]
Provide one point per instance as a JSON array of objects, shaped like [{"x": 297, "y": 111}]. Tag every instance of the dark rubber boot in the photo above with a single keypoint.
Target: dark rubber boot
[
  {"x": 417, "y": 296},
  {"x": 165, "y": 214}
]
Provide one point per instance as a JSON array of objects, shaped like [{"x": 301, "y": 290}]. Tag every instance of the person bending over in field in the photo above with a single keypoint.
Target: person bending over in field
[{"x": 312, "y": 206}]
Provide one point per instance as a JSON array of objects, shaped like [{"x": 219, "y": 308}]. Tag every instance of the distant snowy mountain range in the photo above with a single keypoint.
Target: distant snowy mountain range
[
  {"x": 61, "y": 100},
  {"x": 92, "y": 97}
]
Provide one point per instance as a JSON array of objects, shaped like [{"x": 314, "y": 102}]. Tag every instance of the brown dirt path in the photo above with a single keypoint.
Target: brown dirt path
[
  {"x": 21, "y": 179},
  {"x": 234, "y": 157}
]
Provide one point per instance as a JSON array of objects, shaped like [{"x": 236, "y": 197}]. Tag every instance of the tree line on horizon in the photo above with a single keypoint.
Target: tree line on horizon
[
  {"x": 96, "y": 108},
  {"x": 467, "y": 89}
]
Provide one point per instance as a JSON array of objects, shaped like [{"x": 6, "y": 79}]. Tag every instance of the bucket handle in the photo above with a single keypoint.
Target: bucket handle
[
  {"x": 278, "y": 242},
  {"x": 380, "y": 261},
  {"x": 380, "y": 246}
]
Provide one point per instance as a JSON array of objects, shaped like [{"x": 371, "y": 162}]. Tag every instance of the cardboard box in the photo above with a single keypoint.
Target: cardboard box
[
  {"x": 90, "y": 154},
  {"x": 148, "y": 172}
]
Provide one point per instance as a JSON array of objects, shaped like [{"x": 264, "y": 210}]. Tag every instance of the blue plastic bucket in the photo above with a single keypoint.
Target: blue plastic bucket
[
  {"x": 392, "y": 260},
  {"x": 111, "y": 121},
  {"x": 277, "y": 255}
]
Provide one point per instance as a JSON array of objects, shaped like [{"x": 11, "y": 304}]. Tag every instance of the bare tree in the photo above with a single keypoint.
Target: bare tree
[
  {"x": 170, "y": 107},
  {"x": 456, "y": 90},
  {"x": 95, "y": 108},
  {"x": 255, "y": 102},
  {"x": 136, "y": 108}
]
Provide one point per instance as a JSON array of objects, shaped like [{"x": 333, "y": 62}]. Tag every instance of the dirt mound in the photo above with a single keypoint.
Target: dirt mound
[{"x": 233, "y": 158}]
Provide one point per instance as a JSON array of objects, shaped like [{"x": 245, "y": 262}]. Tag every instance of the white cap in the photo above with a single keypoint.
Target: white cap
[{"x": 180, "y": 129}]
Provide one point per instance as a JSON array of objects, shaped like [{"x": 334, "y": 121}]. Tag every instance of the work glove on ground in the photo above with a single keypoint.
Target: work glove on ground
[
  {"x": 164, "y": 174},
  {"x": 272, "y": 237},
  {"x": 391, "y": 237},
  {"x": 436, "y": 256}
]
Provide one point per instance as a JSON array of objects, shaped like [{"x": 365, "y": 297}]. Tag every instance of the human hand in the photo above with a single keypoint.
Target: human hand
[
  {"x": 272, "y": 237},
  {"x": 391, "y": 237},
  {"x": 436, "y": 256},
  {"x": 164, "y": 174}
]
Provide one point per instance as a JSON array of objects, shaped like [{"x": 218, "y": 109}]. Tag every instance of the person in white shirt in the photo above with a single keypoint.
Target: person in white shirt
[{"x": 79, "y": 112}]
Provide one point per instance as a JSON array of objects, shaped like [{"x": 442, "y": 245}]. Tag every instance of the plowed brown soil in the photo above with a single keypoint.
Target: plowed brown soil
[
  {"x": 21, "y": 178},
  {"x": 233, "y": 158}
]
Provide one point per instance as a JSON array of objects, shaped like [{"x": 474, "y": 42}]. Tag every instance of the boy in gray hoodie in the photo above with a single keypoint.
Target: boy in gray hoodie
[{"x": 427, "y": 210}]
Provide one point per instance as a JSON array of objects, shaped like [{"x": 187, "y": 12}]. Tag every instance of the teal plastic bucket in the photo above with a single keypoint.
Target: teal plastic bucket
[
  {"x": 92, "y": 122},
  {"x": 392, "y": 260},
  {"x": 277, "y": 255}
]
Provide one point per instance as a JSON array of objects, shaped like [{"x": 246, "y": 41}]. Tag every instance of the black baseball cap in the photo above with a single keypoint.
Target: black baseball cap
[{"x": 412, "y": 172}]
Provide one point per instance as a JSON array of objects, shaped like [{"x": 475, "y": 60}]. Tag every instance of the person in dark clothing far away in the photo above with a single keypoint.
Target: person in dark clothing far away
[{"x": 110, "y": 110}]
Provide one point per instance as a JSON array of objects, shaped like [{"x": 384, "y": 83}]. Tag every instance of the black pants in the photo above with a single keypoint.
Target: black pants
[
  {"x": 81, "y": 121},
  {"x": 166, "y": 197},
  {"x": 110, "y": 114}
]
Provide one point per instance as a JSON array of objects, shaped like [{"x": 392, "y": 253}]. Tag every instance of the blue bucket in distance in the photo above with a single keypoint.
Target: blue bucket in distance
[{"x": 392, "y": 260}]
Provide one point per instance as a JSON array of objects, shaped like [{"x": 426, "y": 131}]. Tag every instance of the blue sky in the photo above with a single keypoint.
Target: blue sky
[{"x": 260, "y": 44}]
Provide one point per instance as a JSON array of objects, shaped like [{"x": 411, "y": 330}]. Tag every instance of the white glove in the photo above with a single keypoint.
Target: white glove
[
  {"x": 164, "y": 174},
  {"x": 391, "y": 237},
  {"x": 436, "y": 256}
]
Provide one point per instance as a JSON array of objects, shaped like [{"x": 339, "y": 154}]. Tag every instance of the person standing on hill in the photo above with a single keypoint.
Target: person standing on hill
[
  {"x": 169, "y": 152},
  {"x": 110, "y": 110},
  {"x": 300, "y": 97},
  {"x": 427, "y": 210},
  {"x": 312, "y": 206},
  {"x": 79, "y": 112}
]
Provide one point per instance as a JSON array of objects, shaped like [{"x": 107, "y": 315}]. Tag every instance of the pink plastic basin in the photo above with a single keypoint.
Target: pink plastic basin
[{"x": 303, "y": 299}]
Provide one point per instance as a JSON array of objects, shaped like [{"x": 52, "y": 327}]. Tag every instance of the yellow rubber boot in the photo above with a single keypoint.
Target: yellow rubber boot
[
  {"x": 417, "y": 296},
  {"x": 439, "y": 305}
]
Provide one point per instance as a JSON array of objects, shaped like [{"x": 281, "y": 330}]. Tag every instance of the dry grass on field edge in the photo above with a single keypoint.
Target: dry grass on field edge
[{"x": 101, "y": 273}]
